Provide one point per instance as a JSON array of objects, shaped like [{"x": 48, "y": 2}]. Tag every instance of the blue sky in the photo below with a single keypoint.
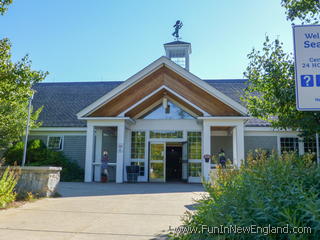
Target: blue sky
[{"x": 110, "y": 40}]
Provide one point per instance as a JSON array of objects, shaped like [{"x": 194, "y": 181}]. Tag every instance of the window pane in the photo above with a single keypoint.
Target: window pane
[
  {"x": 166, "y": 134},
  {"x": 194, "y": 145},
  {"x": 157, "y": 152},
  {"x": 156, "y": 170},
  {"x": 55, "y": 143},
  {"x": 138, "y": 145},
  {"x": 310, "y": 145},
  {"x": 141, "y": 167},
  {"x": 194, "y": 169},
  {"x": 289, "y": 144},
  {"x": 175, "y": 112}
]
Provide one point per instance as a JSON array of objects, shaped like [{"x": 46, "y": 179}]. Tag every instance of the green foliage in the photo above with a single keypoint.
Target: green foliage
[
  {"x": 270, "y": 94},
  {"x": 275, "y": 190},
  {"x": 4, "y": 6},
  {"x": 8, "y": 181},
  {"x": 304, "y": 10},
  {"x": 39, "y": 155},
  {"x": 16, "y": 81}
]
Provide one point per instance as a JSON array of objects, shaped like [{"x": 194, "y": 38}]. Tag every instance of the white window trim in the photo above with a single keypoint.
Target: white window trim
[
  {"x": 145, "y": 147},
  {"x": 61, "y": 142},
  {"x": 300, "y": 143}
]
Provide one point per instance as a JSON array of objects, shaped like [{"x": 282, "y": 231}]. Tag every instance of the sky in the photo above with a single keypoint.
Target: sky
[{"x": 111, "y": 40}]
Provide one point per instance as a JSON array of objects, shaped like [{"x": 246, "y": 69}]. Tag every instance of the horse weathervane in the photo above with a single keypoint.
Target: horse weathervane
[{"x": 177, "y": 27}]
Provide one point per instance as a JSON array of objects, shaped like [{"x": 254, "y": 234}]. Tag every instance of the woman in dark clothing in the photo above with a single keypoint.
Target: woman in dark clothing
[{"x": 222, "y": 158}]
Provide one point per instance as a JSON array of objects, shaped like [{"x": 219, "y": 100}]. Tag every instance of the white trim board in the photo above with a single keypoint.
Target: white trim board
[
  {"x": 160, "y": 62},
  {"x": 62, "y": 129}
]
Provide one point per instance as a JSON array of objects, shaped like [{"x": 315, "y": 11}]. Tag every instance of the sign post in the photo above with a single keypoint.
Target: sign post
[{"x": 307, "y": 69}]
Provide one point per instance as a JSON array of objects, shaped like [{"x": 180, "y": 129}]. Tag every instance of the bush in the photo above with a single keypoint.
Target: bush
[
  {"x": 8, "y": 181},
  {"x": 39, "y": 155},
  {"x": 279, "y": 191}
]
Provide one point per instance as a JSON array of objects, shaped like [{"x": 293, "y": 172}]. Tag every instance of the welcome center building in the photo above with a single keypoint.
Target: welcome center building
[{"x": 163, "y": 119}]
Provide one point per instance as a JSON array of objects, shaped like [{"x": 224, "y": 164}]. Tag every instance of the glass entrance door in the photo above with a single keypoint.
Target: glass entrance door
[{"x": 157, "y": 162}]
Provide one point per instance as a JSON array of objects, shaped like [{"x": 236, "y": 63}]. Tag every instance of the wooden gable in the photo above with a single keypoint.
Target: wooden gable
[{"x": 172, "y": 80}]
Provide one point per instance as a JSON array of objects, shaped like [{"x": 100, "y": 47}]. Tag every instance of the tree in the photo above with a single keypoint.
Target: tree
[
  {"x": 4, "y": 6},
  {"x": 304, "y": 10},
  {"x": 16, "y": 81},
  {"x": 270, "y": 94}
]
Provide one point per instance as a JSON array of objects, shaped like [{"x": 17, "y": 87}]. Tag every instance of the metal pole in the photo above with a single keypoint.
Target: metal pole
[
  {"x": 318, "y": 153},
  {"x": 27, "y": 133}
]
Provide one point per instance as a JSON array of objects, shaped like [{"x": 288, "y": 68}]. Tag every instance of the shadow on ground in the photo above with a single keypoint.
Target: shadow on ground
[{"x": 77, "y": 189}]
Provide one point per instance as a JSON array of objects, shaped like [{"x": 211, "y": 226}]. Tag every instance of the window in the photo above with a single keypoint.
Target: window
[
  {"x": 175, "y": 112},
  {"x": 194, "y": 145},
  {"x": 310, "y": 145},
  {"x": 166, "y": 134},
  {"x": 194, "y": 169},
  {"x": 138, "y": 145},
  {"x": 289, "y": 144},
  {"x": 55, "y": 143},
  {"x": 141, "y": 167}
]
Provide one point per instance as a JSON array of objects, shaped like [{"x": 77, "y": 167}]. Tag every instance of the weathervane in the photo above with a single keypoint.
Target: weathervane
[{"x": 177, "y": 27}]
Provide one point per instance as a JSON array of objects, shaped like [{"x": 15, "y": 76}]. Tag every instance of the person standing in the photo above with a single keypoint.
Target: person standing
[
  {"x": 104, "y": 167},
  {"x": 222, "y": 158}
]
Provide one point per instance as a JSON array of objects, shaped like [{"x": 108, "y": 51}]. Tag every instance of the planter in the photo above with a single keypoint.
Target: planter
[{"x": 42, "y": 181}]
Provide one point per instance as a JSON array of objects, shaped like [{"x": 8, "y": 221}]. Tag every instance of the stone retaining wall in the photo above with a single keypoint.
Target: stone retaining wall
[{"x": 37, "y": 180}]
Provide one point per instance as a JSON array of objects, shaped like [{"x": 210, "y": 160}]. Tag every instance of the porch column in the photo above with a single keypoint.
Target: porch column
[
  {"x": 120, "y": 152},
  {"x": 89, "y": 153},
  {"x": 234, "y": 146},
  {"x": 240, "y": 143},
  {"x": 206, "y": 149},
  {"x": 98, "y": 152}
]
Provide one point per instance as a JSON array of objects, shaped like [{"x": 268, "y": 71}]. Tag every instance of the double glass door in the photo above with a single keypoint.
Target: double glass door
[{"x": 157, "y": 166}]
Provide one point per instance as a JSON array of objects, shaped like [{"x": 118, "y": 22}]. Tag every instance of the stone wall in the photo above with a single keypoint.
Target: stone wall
[{"x": 37, "y": 180}]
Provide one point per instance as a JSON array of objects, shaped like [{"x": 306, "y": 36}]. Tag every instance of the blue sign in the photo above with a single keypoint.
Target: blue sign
[
  {"x": 307, "y": 81},
  {"x": 318, "y": 80},
  {"x": 307, "y": 66}
]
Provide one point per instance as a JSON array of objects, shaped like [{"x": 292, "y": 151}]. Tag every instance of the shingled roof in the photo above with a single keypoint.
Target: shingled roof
[{"x": 63, "y": 100}]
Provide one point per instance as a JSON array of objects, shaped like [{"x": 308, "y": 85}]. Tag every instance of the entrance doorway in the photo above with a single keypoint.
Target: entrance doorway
[{"x": 174, "y": 162}]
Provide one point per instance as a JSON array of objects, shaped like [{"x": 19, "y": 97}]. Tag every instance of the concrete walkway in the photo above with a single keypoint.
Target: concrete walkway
[{"x": 102, "y": 211}]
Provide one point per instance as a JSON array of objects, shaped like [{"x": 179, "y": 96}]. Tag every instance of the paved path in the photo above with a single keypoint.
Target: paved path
[{"x": 101, "y": 211}]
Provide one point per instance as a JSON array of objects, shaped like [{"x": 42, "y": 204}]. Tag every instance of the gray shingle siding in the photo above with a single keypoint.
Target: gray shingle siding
[
  {"x": 264, "y": 142},
  {"x": 74, "y": 147}
]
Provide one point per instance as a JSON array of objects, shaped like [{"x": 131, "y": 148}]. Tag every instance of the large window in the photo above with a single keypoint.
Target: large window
[
  {"x": 310, "y": 145},
  {"x": 166, "y": 134},
  {"x": 138, "y": 139},
  {"x": 289, "y": 144},
  {"x": 173, "y": 112},
  {"x": 194, "y": 169},
  {"x": 55, "y": 143},
  {"x": 194, "y": 145}
]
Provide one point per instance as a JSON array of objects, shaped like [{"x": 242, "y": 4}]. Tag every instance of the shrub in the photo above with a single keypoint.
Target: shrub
[
  {"x": 268, "y": 190},
  {"x": 39, "y": 155},
  {"x": 8, "y": 181}
]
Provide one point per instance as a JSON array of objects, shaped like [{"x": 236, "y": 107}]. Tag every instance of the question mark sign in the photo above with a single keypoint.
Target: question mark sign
[{"x": 308, "y": 79}]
